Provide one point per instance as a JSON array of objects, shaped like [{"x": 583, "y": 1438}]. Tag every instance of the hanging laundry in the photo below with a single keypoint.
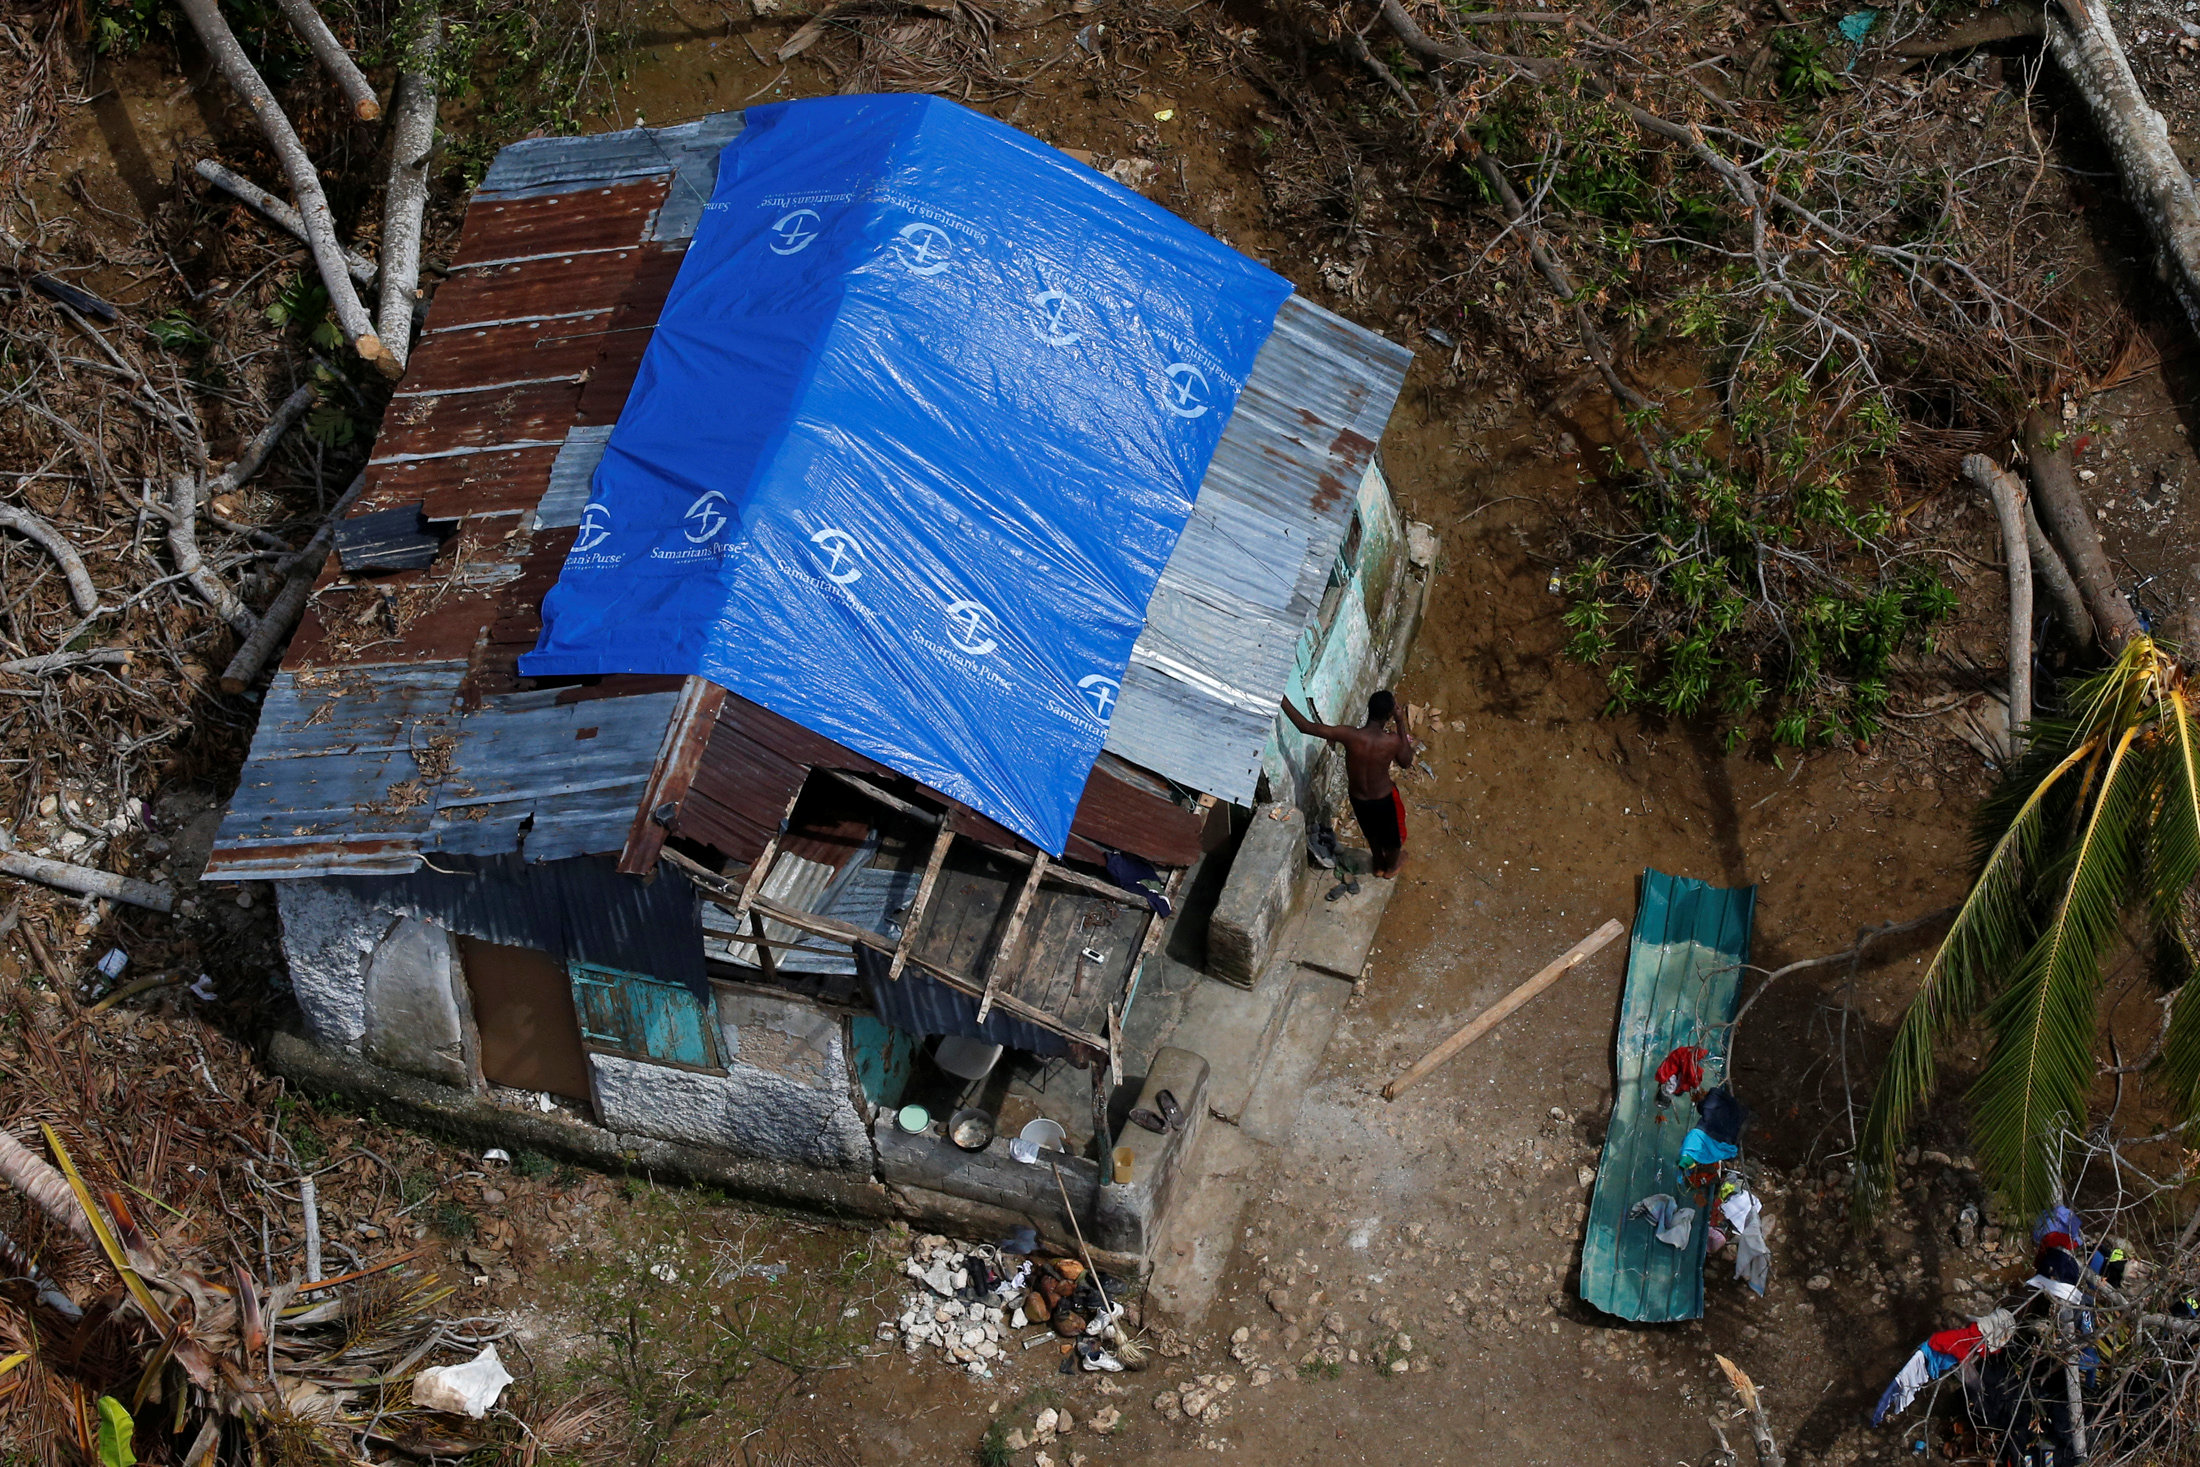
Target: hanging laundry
[
  {"x": 1723, "y": 1116},
  {"x": 1752, "y": 1259},
  {"x": 2059, "y": 1219},
  {"x": 1700, "y": 1150},
  {"x": 1672, "y": 1221},
  {"x": 1681, "y": 1072},
  {"x": 1919, "y": 1371}
]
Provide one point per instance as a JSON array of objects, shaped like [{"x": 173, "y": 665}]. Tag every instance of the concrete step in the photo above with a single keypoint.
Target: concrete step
[
  {"x": 1281, "y": 1083},
  {"x": 1201, "y": 1231},
  {"x": 1234, "y": 1029}
]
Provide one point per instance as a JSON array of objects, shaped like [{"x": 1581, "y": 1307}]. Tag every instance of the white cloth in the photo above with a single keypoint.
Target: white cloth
[
  {"x": 1913, "y": 1377},
  {"x": 1752, "y": 1259},
  {"x": 2068, "y": 1293}
]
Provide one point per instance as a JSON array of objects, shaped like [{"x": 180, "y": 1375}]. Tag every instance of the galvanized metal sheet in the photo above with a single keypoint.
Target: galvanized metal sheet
[
  {"x": 1683, "y": 975},
  {"x": 1246, "y": 578},
  {"x": 553, "y": 165},
  {"x": 567, "y": 496},
  {"x": 387, "y": 758}
]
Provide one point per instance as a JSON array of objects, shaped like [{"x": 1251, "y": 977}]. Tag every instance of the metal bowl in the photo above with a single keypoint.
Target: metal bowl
[{"x": 970, "y": 1128}]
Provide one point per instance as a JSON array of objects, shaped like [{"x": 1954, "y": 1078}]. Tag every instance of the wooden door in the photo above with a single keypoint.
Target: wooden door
[{"x": 523, "y": 1007}]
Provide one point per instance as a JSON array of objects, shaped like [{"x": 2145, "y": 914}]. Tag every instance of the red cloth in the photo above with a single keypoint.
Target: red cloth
[
  {"x": 2058, "y": 1240},
  {"x": 1957, "y": 1342},
  {"x": 1684, "y": 1066}
]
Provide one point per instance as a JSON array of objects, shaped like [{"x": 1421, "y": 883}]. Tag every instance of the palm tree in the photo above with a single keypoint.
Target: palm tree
[{"x": 2098, "y": 820}]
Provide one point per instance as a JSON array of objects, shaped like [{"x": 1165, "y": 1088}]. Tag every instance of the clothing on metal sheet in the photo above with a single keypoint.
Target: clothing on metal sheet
[
  {"x": 920, "y": 423},
  {"x": 1700, "y": 1150},
  {"x": 1722, "y": 1115}
]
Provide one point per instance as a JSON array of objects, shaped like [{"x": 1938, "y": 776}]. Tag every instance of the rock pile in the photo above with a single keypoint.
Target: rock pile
[{"x": 959, "y": 1307}]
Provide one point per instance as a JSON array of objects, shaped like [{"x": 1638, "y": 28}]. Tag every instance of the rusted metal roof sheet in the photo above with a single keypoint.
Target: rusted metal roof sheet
[
  {"x": 1246, "y": 579},
  {"x": 530, "y": 348},
  {"x": 397, "y": 727}
]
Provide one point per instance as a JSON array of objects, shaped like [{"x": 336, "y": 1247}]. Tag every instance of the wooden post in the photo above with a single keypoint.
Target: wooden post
[
  {"x": 764, "y": 959},
  {"x": 1015, "y": 930},
  {"x": 922, "y": 904},
  {"x": 1496, "y": 1014}
]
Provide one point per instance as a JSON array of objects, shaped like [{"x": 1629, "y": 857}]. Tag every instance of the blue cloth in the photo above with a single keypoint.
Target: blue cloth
[
  {"x": 1920, "y": 1370},
  {"x": 1700, "y": 1150},
  {"x": 920, "y": 424},
  {"x": 2059, "y": 1219},
  {"x": 1723, "y": 1116}
]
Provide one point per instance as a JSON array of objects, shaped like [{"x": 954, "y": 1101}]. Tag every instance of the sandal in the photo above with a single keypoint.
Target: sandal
[
  {"x": 1171, "y": 1112},
  {"x": 1147, "y": 1120},
  {"x": 1346, "y": 887}
]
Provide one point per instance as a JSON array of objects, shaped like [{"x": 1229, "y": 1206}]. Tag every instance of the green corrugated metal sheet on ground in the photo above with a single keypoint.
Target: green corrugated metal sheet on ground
[{"x": 1683, "y": 975}]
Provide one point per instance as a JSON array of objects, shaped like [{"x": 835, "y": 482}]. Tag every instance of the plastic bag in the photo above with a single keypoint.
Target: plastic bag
[{"x": 469, "y": 1389}]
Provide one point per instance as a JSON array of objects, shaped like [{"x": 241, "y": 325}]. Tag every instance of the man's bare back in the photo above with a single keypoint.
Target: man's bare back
[{"x": 1371, "y": 751}]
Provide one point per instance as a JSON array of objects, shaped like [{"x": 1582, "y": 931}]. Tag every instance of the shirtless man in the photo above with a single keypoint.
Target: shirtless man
[{"x": 1369, "y": 753}]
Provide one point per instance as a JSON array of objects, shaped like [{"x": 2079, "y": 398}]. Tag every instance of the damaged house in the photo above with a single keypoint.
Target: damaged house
[{"x": 815, "y": 618}]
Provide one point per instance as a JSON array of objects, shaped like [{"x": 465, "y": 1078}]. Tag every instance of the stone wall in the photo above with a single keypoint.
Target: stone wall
[{"x": 785, "y": 1094}]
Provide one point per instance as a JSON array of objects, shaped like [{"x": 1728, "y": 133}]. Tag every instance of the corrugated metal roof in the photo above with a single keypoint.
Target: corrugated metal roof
[
  {"x": 1246, "y": 579},
  {"x": 530, "y": 348},
  {"x": 1684, "y": 965}
]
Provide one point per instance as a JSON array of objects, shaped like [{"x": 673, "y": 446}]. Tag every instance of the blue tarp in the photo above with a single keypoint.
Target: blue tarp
[{"x": 918, "y": 429}]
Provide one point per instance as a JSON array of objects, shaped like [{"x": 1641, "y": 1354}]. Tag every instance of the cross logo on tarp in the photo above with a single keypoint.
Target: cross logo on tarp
[
  {"x": 796, "y": 231},
  {"x": 840, "y": 550},
  {"x": 1054, "y": 308},
  {"x": 924, "y": 249},
  {"x": 970, "y": 625},
  {"x": 706, "y": 518},
  {"x": 1187, "y": 391},
  {"x": 595, "y": 528},
  {"x": 1100, "y": 691}
]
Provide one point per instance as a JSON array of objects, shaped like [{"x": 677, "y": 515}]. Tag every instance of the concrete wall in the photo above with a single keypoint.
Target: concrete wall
[
  {"x": 1358, "y": 645},
  {"x": 785, "y": 1095},
  {"x": 372, "y": 982},
  {"x": 417, "y": 1008},
  {"x": 329, "y": 932}
]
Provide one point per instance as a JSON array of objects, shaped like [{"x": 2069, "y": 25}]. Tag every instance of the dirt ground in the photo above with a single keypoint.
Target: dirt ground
[{"x": 1441, "y": 1233}]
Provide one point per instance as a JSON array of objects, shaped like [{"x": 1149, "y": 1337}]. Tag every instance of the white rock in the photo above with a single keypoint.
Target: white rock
[
  {"x": 1240, "y": 1335},
  {"x": 973, "y": 1337},
  {"x": 1045, "y": 1423},
  {"x": 1017, "y": 1320}
]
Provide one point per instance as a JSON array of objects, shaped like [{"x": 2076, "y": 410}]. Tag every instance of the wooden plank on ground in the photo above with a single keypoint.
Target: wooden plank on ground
[{"x": 1497, "y": 1012}]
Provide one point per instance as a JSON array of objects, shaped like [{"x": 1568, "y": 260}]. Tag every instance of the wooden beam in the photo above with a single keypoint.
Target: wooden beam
[
  {"x": 679, "y": 754},
  {"x": 887, "y": 798},
  {"x": 763, "y": 863},
  {"x": 1014, "y": 931},
  {"x": 923, "y": 903},
  {"x": 720, "y": 892},
  {"x": 1495, "y": 1014},
  {"x": 1060, "y": 875}
]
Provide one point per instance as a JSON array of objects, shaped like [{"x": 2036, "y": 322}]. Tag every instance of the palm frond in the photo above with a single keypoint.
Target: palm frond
[
  {"x": 1989, "y": 931},
  {"x": 2037, "y": 1075},
  {"x": 2174, "y": 843}
]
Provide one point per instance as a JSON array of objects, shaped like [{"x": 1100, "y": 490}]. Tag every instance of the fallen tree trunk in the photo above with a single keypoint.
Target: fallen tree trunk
[
  {"x": 405, "y": 196},
  {"x": 2008, "y": 495},
  {"x": 276, "y": 212},
  {"x": 301, "y": 571},
  {"x": 2054, "y": 576},
  {"x": 305, "y": 180},
  {"x": 334, "y": 59},
  {"x": 2062, "y": 511},
  {"x": 2084, "y": 45}
]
